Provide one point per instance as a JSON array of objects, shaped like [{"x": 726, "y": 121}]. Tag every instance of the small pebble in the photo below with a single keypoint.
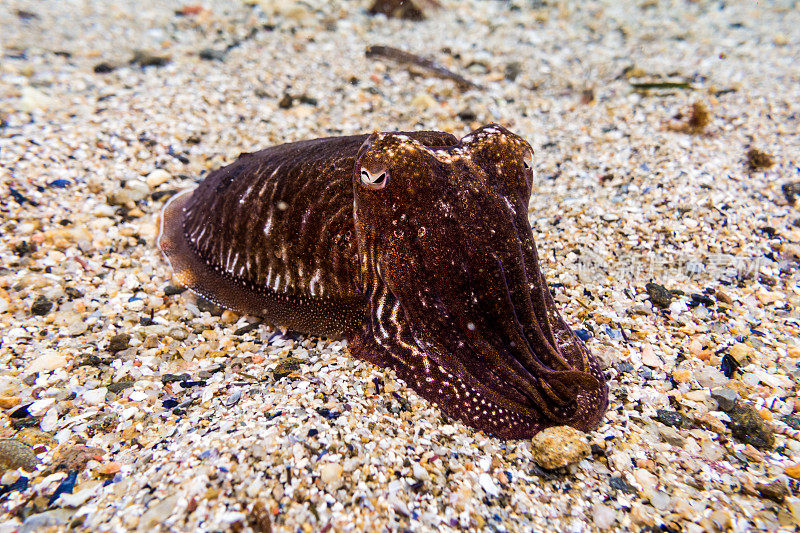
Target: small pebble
[
  {"x": 16, "y": 454},
  {"x": 748, "y": 426},
  {"x": 670, "y": 418},
  {"x": 286, "y": 366},
  {"x": 330, "y": 472},
  {"x": 41, "y": 306},
  {"x": 118, "y": 342},
  {"x": 559, "y": 446},
  {"x": 725, "y": 398},
  {"x": 659, "y": 294}
]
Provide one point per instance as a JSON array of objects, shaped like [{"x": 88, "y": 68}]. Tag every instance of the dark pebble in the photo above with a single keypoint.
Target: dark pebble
[
  {"x": 21, "y": 412},
  {"x": 645, "y": 372},
  {"x": 89, "y": 360},
  {"x": 791, "y": 190},
  {"x": 170, "y": 378},
  {"x": 210, "y": 54},
  {"x": 158, "y": 195},
  {"x": 328, "y": 414},
  {"x": 120, "y": 386},
  {"x": 467, "y": 115},
  {"x": 659, "y": 294},
  {"x": 512, "y": 70},
  {"x": 623, "y": 367},
  {"x": 308, "y": 100},
  {"x": 205, "y": 374},
  {"x": 401, "y": 9},
  {"x": 313, "y": 432},
  {"x": 172, "y": 290},
  {"x": 791, "y": 421},
  {"x": 189, "y": 384},
  {"x": 209, "y": 306},
  {"x": 748, "y": 426},
  {"x": 583, "y": 334},
  {"x": 728, "y": 365},
  {"x": 726, "y": 398},
  {"x": 286, "y": 102},
  {"x": 147, "y": 59},
  {"x": 73, "y": 293},
  {"x": 169, "y": 403},
  {"x": 286, "y": 366},
  {"x": 18, "y": 486},
  {"x": 104, "y": 67},
  {"x": 65, "y": 486},
  {"x": 24, "y": 248},
  {"x": 598, "y": 451},
  {"x": 30, "y": 379},
  {"x": 119, "y": 342},
  {"x": 617, "y": 483},
  {"x": 670, "y": 418},
  {"x": 25, "y": 422},
  {"x": 59, "y": 184},
  {"x": 41, "y": 306},
  {"x": 102, "y": 424},
  {"x": 701, "y": 299},
  {"x": 776, "y": 491}
]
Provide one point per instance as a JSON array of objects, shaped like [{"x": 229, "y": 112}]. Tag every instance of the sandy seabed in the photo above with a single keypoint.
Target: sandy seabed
[{"x": 666, "y": 139}]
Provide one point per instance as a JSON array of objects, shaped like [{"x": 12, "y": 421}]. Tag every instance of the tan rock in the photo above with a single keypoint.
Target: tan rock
[
  {"x": 330, "y": 472},
  {"x": 7, "y": 402},
  {"x": 559, "y": 446},
  {"x": 793, "y": 471}
]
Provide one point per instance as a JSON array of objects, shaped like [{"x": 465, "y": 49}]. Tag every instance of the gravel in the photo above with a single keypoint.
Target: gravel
[{"x": 667, "y": 242}]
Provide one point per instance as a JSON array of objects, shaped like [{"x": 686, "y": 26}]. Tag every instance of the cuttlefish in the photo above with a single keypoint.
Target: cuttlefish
[{"x": 416, "y": 248}]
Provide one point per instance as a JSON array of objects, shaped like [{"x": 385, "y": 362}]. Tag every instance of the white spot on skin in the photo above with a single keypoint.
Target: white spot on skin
[
  {"x": 283, "y": 206},
  {"x": 471, "y": 326}
]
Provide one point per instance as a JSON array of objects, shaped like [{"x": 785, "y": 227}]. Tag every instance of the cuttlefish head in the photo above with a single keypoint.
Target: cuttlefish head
[{"x": 457, "y": 302}]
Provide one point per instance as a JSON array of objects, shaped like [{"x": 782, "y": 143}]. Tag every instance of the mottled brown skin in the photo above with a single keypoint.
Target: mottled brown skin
[{"x": 415, "y": 247}]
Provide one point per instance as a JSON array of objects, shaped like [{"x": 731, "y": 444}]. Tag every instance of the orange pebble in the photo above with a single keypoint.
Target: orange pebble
[{"x": 793, "y": 471}]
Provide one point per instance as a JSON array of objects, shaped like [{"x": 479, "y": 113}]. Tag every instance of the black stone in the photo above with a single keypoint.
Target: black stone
[
  {"x": 119, "y": 342},
  {"x": 617, "y": 483},
  {"x": 729, "y": 365},
  {"x": 328, "y": 414},
  {"x": 120, "y": 386},
  {"x": 791, "y": 190},
  {"x": 748, "y": 426},
  {"x": 171, "y": 290},
  {"x": 73, "y": 293},
  {"x": 791, "y": 421},
  {"x": 147, "y": 59},
  {"x": 670, "y": 418},
  {"x": 104, "y": 68},
  {"x": 286, "y": 102},
  {"x": 623, "y": 367},
  {"x": 210, "y": 54},
  {"x": 41, "y": 306},
  {"x": 171, "y": 378},
  {"x": 659, "y": 294}
]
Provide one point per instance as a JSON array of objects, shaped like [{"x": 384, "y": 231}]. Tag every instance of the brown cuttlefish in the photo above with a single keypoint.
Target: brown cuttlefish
[{"x": 416, "y": 248}]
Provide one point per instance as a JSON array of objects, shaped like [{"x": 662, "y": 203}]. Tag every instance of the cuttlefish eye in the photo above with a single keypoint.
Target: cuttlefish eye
[
  {"x": 527, "y": 161},
  {"x": 374, "y": 180}
]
